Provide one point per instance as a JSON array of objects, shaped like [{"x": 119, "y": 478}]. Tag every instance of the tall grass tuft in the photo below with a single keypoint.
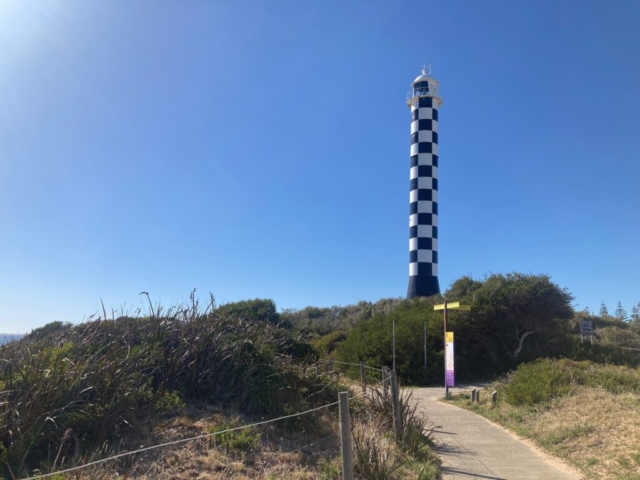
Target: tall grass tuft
[
  {"x": 378, "y": 452},
  {"x": 417, "y": 431},
  {"x": 376, "y": 457}
]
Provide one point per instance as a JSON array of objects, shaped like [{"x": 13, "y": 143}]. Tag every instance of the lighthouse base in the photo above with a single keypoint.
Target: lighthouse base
[{"x": 423, "y": 286}]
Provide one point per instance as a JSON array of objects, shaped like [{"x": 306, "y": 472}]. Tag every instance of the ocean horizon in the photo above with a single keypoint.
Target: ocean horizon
[{"x": 10, "y": 337}]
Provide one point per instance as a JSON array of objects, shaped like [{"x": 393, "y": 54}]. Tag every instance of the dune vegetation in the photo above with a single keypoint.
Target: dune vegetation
[{"x": 72, "y": 394}]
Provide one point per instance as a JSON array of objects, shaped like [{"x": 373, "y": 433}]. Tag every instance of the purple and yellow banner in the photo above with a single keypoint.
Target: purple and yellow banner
[{"x": 449, "y": 371}]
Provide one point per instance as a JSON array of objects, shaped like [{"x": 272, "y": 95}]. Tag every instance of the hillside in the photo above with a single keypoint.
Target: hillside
[{"x": 70, "y": 395}]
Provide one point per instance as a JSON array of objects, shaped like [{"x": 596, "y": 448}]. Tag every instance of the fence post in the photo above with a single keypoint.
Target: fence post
[
  {"x": 385, "y": 382},
  {"x": 478, "y": 396},
  {"x": 473, "y": 395},
  {"x": 494, "y": 398},
  {"x": 363, "y": 377},
  {"x": 345, "y": 436},
  {"x": 395, "y": 397},
  {"x": 393, "y": 323}
]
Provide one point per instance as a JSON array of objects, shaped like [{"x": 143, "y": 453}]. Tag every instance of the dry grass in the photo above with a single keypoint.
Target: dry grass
[
  {"x": 312, "y": 451},
  {"x": 593, "y": 428},
  {"x": 277, "y": 452}
]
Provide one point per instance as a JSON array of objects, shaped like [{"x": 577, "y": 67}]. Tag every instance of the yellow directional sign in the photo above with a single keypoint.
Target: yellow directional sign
[
  {"x": 441, "y": 306},
  {"x": 452, "y": 306}
]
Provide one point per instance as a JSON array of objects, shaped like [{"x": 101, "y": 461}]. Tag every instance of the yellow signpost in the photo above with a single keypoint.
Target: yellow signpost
[
  {"x": 447, "y": 305},
  {"x": 449, "y": 377},
  {"x": 452, "y": 305}
]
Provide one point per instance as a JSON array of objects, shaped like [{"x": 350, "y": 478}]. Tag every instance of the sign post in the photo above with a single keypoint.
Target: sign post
[
  {"x": 393, "y": 326},
  {"x": 425, "y": 352},
  {"x": 449, "y": 371},
  {"x": 586, "y": 329}
]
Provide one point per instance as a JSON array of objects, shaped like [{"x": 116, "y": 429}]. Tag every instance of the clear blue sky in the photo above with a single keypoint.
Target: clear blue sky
[{"x": 261, "y": 149}]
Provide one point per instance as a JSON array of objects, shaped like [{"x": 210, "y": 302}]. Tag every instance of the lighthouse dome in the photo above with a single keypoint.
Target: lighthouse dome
[{"x": 423, "y": 78}]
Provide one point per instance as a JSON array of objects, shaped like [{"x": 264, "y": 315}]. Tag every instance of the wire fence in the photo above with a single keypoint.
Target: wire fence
[
  {"x": 311, "y": 444},
  {"x": 358, "y": 365},
  {"x": 345, "y": 450},
  {"x": 358, "y": 372},
  {"x": 184, "y": 440}
]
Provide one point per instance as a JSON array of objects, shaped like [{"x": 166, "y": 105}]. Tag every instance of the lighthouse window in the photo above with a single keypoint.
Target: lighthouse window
[{"x": 421, "y": 88}]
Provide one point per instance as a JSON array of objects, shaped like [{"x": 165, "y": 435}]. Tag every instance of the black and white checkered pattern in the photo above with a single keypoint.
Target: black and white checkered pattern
[{"x": 423, "y": 198}]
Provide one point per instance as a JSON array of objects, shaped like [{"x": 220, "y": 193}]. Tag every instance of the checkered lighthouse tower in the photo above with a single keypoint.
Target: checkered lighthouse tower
[{"x": 424, "y": 102}]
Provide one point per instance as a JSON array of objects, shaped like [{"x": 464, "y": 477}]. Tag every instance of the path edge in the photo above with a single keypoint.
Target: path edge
[{"x": 555, "y": 461}]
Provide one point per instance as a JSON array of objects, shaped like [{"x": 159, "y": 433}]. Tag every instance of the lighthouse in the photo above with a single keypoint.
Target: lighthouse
[{"x": 424, "y": 102}]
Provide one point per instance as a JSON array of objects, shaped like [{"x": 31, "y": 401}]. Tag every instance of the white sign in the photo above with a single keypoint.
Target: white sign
[{"x": 449, "y": 369}]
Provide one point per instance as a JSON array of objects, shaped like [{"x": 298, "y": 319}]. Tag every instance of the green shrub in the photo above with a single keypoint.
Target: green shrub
[
  {"x": 542, "y": 380},
  {"x": 262, "y": 310},
  {"x": 603, "y": 354},
  {"x": 299, "y": 349},
  {"x": 371, "y": 341},
  {"x": 537, "y": 382},
  {"x": 614, "y": 378},
  {"x": 170, "y": 402},
  {"x": 330, "y": 342},
  {"x": 51, "y": 328},
  {"x": 245, "y": 439},
  {"x": 330, "y": 470}
]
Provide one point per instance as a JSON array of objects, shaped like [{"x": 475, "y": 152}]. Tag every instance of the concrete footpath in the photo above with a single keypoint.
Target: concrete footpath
[{"x": 472, "y": 447}]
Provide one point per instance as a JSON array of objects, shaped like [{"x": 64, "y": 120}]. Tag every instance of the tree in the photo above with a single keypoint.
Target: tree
[
  {"x": 463, "y": 290},
  {"x": 603, "y": 310},
  {"x": 516, "y": 306},
  {"x": 635, "y": 313},
  {"x": 621, "y": 313},
  {"x": 513, "y": 318}
]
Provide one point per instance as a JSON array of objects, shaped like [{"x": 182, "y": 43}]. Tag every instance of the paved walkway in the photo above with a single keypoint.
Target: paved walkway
[{"x": 472, "y": 447}]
